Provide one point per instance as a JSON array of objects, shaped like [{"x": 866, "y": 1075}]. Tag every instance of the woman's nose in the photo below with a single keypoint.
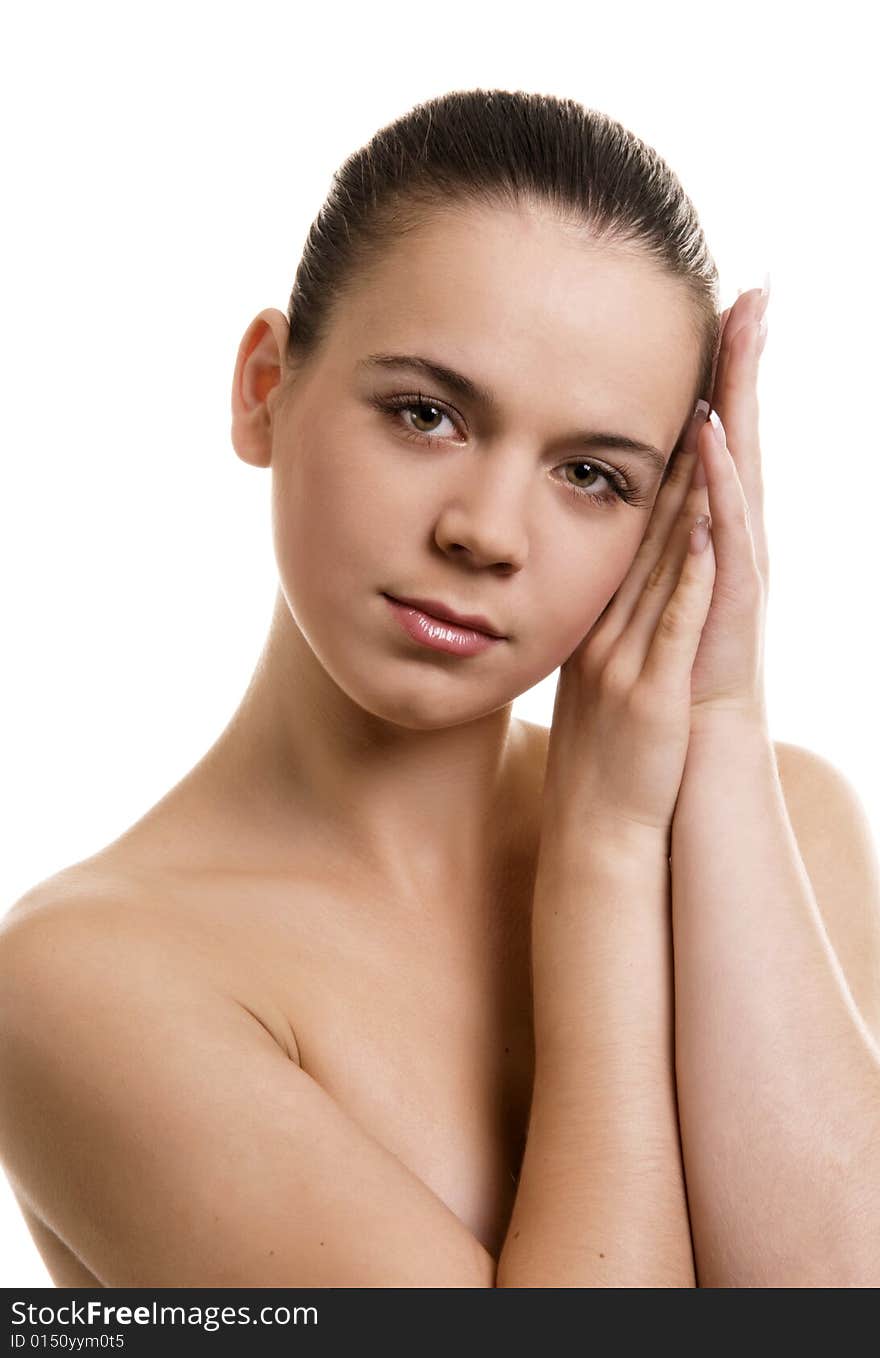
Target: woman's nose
[{"x": 485, "y": 517}]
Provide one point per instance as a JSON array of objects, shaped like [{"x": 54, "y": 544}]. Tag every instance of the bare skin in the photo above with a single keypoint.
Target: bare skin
[
  {"x": 353, "y": 859},
  {"x": 370, "y": 1038},
  {"x": 355, "y": 993}
]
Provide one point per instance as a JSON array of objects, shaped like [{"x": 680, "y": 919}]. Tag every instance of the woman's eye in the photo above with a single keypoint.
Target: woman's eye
[
  {"x": 587, "y": 474},
  {"x": 422, "y": 419},
  {"x": 427, "y": 418},
  {"x": 611, "y": 487},
  {"x": 419, "y": 417}
]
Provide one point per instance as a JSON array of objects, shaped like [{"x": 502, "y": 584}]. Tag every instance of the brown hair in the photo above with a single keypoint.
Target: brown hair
[{"x": 500, "y": 148}]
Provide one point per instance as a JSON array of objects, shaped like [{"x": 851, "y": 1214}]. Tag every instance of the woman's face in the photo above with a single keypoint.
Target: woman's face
[{"x": 498, "y": 507}]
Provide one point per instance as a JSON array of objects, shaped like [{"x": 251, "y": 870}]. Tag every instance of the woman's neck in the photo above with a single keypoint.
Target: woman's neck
[{"x": 416, "y": 810}]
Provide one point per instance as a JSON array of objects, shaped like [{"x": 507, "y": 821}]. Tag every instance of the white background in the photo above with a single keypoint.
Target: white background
[{"x": 162, "y": 165}]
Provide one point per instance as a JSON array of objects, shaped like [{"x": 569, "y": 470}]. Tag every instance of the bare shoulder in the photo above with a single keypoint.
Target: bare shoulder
[
  {"x": 827, "y": 815},
  {"x": 104, "y": 908},
  {"x": 159, "y": 1133},
  {"x": 86, "y": 907},
  {"x": 835, "y": 839},
  {"x": 66, "y": 891}
]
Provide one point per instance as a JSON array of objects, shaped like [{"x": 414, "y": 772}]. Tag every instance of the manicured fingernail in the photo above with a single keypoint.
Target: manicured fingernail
[
  {"x": 765, "y": 293},
  {"x": 699, "y": 535},
  {"x": 698, "y": 419},
  {"x": 761, "y": 337},
  {"x": 717, "y": 429}
]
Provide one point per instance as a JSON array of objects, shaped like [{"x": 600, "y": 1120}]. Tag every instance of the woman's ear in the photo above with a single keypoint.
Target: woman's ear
[{"x": 259, "y": 368}]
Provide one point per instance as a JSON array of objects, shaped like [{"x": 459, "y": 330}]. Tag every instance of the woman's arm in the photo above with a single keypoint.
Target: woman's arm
[
  {"x": 778, "y": 1076},
  {"x": 601, "y": 1199},
  {"x": 164, "y": 1136}
]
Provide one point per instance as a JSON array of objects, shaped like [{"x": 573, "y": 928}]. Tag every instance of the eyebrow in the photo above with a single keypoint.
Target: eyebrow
[{"x": 472, "y": 391}]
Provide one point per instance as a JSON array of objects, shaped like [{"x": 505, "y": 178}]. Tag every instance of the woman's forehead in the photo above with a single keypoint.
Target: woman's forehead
[{"x": 526, "y": 285}]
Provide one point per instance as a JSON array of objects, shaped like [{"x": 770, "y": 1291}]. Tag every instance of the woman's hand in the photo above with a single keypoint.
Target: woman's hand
[
  {"x": 728, "y": 672},
  {"x": 621, "y": 719}
]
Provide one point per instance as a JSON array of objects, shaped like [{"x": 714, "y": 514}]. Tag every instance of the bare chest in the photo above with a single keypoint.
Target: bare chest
[
  {"x": 424, "y": 1037},
  {"x": 416, "y": 1018},
  {"x": 421, "y": 1032}
]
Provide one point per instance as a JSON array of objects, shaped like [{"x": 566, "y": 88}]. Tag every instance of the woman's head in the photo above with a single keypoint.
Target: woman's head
[{"x": 553, "y": 260}]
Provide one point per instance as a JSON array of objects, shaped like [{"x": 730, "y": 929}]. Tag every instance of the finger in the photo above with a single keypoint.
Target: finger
[
  {"x": 735, "y": 391},
  {"x": 721, "y": 329},
  {"x": 737, "y": 406},
  {"x": 732, "y": 534},
  {"x": 633, "y": 646},
  {"x": 667, "y": 507},
  {"x": 735, "y": 397},
  {"x": 676, "y": 637},
  {"x": 746, "y": 309}
]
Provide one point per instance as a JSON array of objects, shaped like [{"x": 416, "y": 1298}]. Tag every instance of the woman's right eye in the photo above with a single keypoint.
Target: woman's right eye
[{"x": 425, "y": 410}]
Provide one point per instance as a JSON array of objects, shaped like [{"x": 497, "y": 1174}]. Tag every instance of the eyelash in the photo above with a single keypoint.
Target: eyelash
[{"x": 621, "y": 490}]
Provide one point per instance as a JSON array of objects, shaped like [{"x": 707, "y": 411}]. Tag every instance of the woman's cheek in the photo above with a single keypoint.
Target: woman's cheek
[
  {"x": 585, "y": 588},
  {"x": 321, "y": 515}
]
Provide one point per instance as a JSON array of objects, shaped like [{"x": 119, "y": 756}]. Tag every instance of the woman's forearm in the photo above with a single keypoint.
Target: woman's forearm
[
  {"x": 601, "y": 1199},
  {"x": 778, "y": 1080}
]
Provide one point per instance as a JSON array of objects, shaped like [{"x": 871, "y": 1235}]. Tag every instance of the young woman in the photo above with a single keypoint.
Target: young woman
[{"x": 382, "y": 993}]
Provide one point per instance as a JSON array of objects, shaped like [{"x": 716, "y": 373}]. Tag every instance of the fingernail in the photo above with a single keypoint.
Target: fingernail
[
  {"x": 699, "y": 535},
  {"x": 761, "y": 337},
  {"x": 717, "y": 429},
  {"x": 698, "y": 419},
  {"x": 765, "y": 293}
]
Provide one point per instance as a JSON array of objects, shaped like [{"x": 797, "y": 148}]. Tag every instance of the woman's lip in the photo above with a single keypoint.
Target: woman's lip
[
  {"x": 439, "y": 633},
  {"x": 434, "y": 609}
]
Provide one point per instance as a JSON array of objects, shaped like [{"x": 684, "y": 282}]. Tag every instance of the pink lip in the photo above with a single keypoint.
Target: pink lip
[
  {"x": 439, "y": 633},
  {"x": 435, "y": 609}
]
